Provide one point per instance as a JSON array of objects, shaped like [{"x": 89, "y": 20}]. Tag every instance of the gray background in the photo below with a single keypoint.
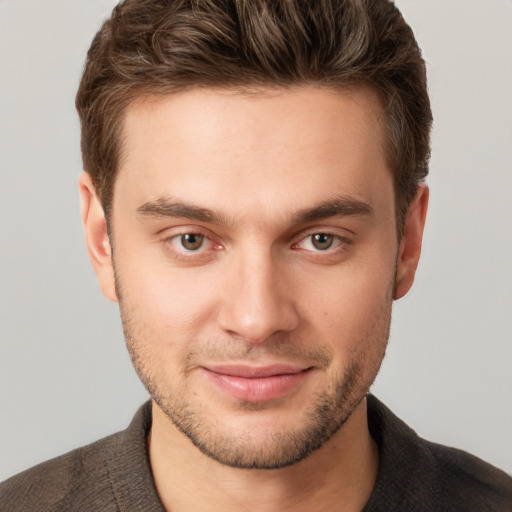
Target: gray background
[{"x": 65, "y": 379}]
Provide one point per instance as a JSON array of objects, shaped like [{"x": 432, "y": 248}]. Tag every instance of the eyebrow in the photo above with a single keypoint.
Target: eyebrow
[
  {"x": 337, "y": 207},
  {"x": 165, "y": 207}
]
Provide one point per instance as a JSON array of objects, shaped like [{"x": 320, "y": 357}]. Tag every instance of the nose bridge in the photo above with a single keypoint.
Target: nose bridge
[{"x": 257, "y": 302}]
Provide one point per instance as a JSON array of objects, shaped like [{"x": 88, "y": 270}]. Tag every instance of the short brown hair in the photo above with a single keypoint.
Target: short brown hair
[{"x": 152, "y": 47}]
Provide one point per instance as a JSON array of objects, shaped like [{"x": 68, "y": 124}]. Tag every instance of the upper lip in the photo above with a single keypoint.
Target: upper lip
[{"x": 254, "y": 372}]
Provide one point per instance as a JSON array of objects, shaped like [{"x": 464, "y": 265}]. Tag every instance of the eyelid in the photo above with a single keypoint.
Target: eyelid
[
  {"x": 170, "y": 235},
  {"x": 179, "y": 240},
  {"x": 185, "y": 229},
  {"x": 329, "y": 230},
  {"x": 338, "y": 244}
]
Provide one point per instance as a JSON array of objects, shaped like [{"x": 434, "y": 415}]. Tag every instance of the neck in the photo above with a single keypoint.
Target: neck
[{"x": 339, "y": 476}]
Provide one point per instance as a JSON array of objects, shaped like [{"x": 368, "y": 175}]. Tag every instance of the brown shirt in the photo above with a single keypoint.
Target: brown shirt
[{"x": 114, "y": 475}]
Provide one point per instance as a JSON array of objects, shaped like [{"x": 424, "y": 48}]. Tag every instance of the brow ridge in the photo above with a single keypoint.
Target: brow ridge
[
  {"x": 340, "y": 206},
  {"x": 337, "y": 207},
  {"x": 165, "y": 207}
]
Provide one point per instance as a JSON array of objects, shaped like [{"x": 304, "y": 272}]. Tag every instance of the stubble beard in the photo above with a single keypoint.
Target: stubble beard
[
  {"x": 277, "y": 449},
  {"x": 327, "y": 413}
]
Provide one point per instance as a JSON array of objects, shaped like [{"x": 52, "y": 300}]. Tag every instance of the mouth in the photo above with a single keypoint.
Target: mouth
[{"x": 256, "y": 383}]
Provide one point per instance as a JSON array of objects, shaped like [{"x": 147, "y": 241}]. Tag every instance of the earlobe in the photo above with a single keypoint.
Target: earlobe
[
  {"x": 410, "y": 246},
  {"x": 96, "y": 236}
]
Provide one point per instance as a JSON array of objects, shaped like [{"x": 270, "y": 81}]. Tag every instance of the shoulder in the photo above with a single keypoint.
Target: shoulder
[
  {"x": 468, "y": 479},
  {"x": 415, "y": 474},
  {"x": 73, "y": 481},
  {"x": 111, "y": 474}
]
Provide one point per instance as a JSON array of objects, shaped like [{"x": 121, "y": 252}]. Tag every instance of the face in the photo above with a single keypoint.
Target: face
[{"x": 255, "y": 259}]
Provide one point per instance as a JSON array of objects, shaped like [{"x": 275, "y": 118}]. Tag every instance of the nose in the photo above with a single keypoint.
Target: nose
[{"x": 257, "y": 299}]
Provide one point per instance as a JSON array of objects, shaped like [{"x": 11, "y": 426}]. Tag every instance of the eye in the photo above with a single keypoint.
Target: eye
[
  {"x": 322, "y": 241},
  {"x": 327, "y": 246},
  {"x": 191, "y": 241},
  {"x": 317, "y": 242},
  {"x": 192, "y": 247}
]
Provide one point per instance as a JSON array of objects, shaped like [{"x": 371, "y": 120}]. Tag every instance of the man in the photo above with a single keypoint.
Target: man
[{"x": 253, "y": 198}]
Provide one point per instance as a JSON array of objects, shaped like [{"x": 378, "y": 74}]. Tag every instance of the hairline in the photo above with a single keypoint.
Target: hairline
[{"x": 153, "y": 93}]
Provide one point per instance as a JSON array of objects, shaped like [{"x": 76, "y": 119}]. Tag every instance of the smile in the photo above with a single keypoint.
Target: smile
[{"x": 256, "y": 384}]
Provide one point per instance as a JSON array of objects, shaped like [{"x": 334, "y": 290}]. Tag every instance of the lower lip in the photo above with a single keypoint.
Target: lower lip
[{"x": 259, "y": 389}]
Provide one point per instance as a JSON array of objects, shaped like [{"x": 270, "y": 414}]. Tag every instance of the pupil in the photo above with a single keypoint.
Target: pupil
[
  {"x": 192, "y": 241},
  {"x": 322, "y": 241}
]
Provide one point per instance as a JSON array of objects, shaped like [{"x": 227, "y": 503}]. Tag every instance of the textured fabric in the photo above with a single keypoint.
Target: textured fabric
[
  {"x": 416, "y": 475},
  {"x": 114, "y": 475},
  {"x": 110, "y": 475}
]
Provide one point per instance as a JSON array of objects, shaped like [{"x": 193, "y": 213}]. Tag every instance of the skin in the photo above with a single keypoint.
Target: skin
[{"x": 257, "y": 175}]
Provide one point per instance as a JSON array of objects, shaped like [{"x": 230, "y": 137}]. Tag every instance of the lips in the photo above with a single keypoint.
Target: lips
[{"x": 256, "y": 383}]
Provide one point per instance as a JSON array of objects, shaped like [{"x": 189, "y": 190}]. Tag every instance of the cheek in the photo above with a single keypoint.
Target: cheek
[
  {"x": 168, "y": 307},
  {"x": 352, "y": 313}
]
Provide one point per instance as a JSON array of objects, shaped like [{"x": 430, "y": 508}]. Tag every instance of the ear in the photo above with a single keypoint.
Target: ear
[
  {"x": 410, "y": 246},
  {"x": 96, "y": 236}
]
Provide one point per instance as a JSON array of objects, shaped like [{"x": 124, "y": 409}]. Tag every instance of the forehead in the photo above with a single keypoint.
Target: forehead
[{"x": 262, "y": 148}]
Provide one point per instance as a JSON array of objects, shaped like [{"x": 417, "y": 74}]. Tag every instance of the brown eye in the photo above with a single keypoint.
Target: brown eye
[
  {"x": 192, "y": 241},
  {"x": 322, "y": 241}
]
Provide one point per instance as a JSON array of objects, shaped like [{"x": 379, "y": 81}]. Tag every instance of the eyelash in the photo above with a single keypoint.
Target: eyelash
[
  {"x": 339, "y": 244},
  {"x": 182, "y": 252}
]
